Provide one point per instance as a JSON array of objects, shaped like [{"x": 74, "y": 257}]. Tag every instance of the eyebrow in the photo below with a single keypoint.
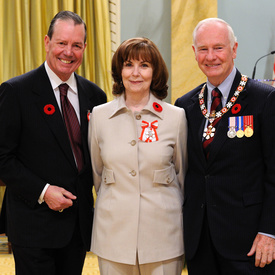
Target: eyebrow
[{"x": 215, "y": 45}]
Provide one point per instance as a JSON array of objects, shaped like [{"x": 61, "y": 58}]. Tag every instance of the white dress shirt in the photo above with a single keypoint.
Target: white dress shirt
[{"x": 72, "y": 96}]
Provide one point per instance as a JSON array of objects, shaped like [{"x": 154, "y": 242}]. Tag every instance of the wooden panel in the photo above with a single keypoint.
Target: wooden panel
[{"x": 114, "y": 14}]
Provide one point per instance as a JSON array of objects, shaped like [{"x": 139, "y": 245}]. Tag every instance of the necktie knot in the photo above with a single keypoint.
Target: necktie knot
[
  {"x": 216, "y": 93},
  {"x": 63, "y": 88},
  {"x": 216, "y": 100}
]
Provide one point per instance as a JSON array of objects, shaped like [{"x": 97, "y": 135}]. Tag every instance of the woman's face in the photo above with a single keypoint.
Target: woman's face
[{"x": 137, "y": 76}]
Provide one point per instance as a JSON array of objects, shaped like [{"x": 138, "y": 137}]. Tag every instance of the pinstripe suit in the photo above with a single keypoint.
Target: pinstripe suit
[
  {"x": 235, "y": 188},
  {"x": 35, "y": 150}
]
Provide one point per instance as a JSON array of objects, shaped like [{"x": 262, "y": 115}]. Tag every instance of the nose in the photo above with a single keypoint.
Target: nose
[
  {"x": 135, "y": 70},
  {"x": 210, "y": 55},
  {"x": 68, "y": 50}
]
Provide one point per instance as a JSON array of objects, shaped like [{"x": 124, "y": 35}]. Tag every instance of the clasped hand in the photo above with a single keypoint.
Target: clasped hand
[{"x": 58, "y": 198}]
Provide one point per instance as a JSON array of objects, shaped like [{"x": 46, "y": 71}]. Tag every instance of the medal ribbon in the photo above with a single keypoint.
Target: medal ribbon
[
  {"x": 248, "y": 122},
  {"x": 240, "y": 123},
  {"x": 232, "y": 122}
]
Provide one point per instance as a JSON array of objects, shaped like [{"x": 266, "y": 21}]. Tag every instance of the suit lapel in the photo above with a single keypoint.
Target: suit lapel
[
  {"x": 222, "y": 126},
  {"x": 44, "y": 96},
  {"x": 85, "y": 105}
]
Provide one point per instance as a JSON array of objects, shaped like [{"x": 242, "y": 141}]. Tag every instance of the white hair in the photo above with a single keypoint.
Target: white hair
[{"x": 231, "y": 35}]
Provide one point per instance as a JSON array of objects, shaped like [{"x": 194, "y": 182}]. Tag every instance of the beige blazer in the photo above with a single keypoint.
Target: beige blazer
[{"x": 139, "y": 184}]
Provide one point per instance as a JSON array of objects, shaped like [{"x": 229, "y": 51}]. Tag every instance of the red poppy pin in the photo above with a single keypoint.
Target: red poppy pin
[
  {"x": 88, "y": 115},
  {"x": 157, "y": 107},
  {"x": 49, "y": 109},
  {"x": 236, "y": 108}
]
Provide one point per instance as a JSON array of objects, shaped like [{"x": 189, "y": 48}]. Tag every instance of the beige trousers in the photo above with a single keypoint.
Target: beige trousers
[{"x": 168, "y": 267}]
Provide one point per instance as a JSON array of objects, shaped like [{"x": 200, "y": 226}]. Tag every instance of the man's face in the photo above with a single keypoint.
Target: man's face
[
  {"x": 213, "y": 52},
  {"x": 65, "y": 49}
]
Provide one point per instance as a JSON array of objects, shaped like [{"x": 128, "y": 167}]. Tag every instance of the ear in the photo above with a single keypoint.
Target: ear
[
  {"x": 234, "y": 50},
  {"x": 46, "y": 42},
  {"x": 194, "y": 49}
]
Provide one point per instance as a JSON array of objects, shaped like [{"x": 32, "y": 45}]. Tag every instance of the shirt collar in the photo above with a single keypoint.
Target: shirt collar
[
  {"x": 224, "y": 87},
  {"x": 56, "y": 81},
  {"x": 120, "y": 104}
]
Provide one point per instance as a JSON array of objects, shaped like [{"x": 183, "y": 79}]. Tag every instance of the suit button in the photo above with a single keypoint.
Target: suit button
[
  {"x": 138, "y": 117},
  {"x": 105, "y": 180},
  {"x": 133, "y": 142},
  {"x": 202, "y": 205},
  {"x": 133, "y": 173},
  {"x": 168, "y": 180}
]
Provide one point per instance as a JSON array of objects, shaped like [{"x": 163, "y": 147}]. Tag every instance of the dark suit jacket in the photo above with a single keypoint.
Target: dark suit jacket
[
  {"x": 235, "y": 188},
  {"x": 35, "y": 150}
]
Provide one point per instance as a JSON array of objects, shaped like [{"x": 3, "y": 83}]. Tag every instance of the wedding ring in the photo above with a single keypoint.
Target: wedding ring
[{"x": 61, "y": 210}]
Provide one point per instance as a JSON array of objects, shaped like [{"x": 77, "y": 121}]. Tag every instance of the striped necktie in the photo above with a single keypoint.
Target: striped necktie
[
  {"x": 215, "y": 107},
  {"x": 72, "y": 125}
]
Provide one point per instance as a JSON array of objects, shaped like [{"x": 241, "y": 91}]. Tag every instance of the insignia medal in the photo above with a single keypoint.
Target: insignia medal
[
  {"x": 243, "y": 124},
  {"x": 248, "y": 132},
  {"x": 248, "y": 124},
  {"x": 232, "y": 127},
  {"x": 210, "y": 130},
  {"x": 149, "y": 131},
  {"x": 240, "y": 132}
]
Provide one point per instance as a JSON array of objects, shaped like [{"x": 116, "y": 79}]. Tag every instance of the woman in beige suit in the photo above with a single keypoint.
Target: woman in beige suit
[{"x": 138, "y": 149}]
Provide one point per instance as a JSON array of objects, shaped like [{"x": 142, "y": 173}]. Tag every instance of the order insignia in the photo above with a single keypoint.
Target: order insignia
[{"x": 149, "y": 131}]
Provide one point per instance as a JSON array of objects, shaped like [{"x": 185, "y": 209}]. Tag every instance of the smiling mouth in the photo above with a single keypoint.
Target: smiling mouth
[
  {"x": 66, "y": 61},
  {"x": 212, "y": 66}
]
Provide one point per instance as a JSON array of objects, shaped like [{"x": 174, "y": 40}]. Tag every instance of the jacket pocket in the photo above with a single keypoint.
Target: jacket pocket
[
  {"x": 108, "y": 176},
  {"x": 104, "y": 196},
  {"x": 168, "y": 190},
  {"x": 252, "y": 198},
  {"x": 164, "y": 176}
]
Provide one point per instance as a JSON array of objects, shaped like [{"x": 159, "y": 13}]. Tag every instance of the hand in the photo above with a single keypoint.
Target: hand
[
  {"x": 264, "y": 247},
  {"x": 58, "y": 198}
]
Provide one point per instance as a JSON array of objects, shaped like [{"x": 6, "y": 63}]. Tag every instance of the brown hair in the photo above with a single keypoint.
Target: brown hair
[
  {"x": 140, "y": 48},
  {"x": 66, "y": 15}
]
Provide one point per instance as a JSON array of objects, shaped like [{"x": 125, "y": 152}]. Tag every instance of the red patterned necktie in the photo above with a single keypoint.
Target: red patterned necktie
[
  {"x": 72, "y": 125},
  {"x": 215, "y": 107}
]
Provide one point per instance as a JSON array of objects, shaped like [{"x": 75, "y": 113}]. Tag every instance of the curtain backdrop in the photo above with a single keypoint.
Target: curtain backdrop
[
  {"x": 185, "y": 15},
  {"x": 24, "y": 23}
]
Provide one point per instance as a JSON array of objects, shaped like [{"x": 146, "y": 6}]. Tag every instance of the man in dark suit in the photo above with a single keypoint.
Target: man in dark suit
[
  {"x": 47, "y": 172},
  {"x": 229, "y": 209}
]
